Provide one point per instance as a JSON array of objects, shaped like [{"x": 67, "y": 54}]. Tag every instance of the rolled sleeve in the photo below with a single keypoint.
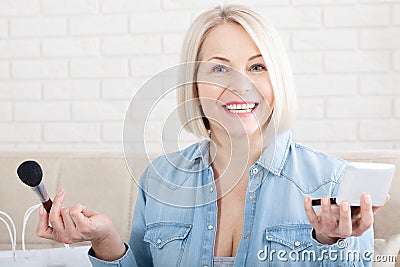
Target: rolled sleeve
[{"x": 126, "y": 260}]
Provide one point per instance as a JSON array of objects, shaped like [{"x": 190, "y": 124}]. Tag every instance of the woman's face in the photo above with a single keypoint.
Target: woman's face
[{"x": 234, "y": 87}]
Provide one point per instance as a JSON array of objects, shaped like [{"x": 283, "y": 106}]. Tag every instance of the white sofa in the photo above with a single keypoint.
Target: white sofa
[{"x": 103, "y": 183}]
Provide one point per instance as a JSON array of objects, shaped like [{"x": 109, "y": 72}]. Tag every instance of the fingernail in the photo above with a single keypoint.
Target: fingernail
[
  {"x": 41, "y": 210},
  {"x": 345, "y": 206},
  {"x": 367, "y": 199},
  {"x": 325, "y": 201}
]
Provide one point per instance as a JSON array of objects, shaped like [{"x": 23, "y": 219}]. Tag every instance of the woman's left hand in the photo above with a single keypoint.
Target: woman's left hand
[{"x": 333, "y": 222}]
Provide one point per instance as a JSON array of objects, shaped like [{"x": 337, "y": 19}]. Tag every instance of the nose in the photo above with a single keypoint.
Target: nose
[{"x": 240, "y": 83}]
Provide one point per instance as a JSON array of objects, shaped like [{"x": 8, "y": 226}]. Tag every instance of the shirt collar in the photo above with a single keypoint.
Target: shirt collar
[
  {"x": 275, "y": 153},
  {"x": 273, "y": 157}
]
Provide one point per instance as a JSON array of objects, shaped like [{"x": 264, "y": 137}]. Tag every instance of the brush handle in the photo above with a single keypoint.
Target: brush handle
[{"x": 47, "y": 205}]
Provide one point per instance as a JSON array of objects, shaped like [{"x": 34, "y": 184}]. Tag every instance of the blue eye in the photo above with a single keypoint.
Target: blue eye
[
  {"x": 220, "y": 69},
  {"x": 257, "y": 67}
]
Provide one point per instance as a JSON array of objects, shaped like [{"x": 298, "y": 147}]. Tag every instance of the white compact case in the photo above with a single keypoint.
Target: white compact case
[{"x": 363, "y": 177}]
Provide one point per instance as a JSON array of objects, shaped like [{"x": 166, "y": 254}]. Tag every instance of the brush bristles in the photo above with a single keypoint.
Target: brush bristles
[{"x": 30, "y": 173}]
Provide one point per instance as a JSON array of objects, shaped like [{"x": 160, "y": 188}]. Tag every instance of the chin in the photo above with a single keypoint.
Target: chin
[{"x": 246, "y": 132}]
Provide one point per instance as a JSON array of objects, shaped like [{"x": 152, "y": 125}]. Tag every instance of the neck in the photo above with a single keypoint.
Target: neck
[{"x": 235, "y": 152}]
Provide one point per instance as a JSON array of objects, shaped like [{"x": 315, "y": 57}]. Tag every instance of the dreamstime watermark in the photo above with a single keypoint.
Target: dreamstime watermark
[
  {"x": 385, "y": 258},
  {"x": 307, "y": 255}
]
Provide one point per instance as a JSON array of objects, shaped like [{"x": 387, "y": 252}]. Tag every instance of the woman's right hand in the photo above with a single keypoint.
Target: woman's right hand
[{"x": 76, "y": 224}]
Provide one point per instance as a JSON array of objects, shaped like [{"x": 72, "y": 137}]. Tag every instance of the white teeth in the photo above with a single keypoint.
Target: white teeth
[
  {"x": 241, "y": 107},
  {"x": 239, "y": 111}
]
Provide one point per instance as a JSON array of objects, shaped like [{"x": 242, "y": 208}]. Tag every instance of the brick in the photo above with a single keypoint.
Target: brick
[
  {"x": 380, "y": 84},
  {"x": 310, "y": 108},
  {"x": 99, "y": 111},
  {"x": 152, "y": 109},
  {"x": 67, "y": 47},
  {"x": 166, "y": 22},
  {"x": 112, "y": 131},
  {"x": 5, "y": 111},
  {"x": 359, "y": 107},
  {"x": 120, "y": 89},
  {"x": 19, "y": 48},
  {"x": 357, "y": 61},
  {"x": 379, "y": 1},
  {"x": 332, "y": 85},
  {"x": 207, "y": 4},
  {"x": 19, "y": 7},
  {"x": 151, "y": 65},
  {"x": 99, "y": 68},
  {"x": 303, "y": 63},
  {"x": 128, "y": 6},
  {"x": 131, "y": 45},
  {"x": 380, "y": 130},
  {"x": 358, "y": 146},
  {"x": 172, "y": 43},
  {"x": 293, "y": 17},
  {"x": 397, "y": 107},
  {"x": 20, "y": 132},
  {"x": 71, "y": 90},
  {"x": 72, "y": 132},
  {"x": 396, "y": 14},
  {"x": 322, "y": 2},
  {"x": 343, "y": 16},
  {"x": 31, "y": 69},
  {"x": 101, "y": 24},
  {"x": 41, "y": 111},
  {"x": 152, "y": 132},
  {"x": 191, "y": 4},
  {"x": 73, "y": 7},
  {"x": 388, "y": 38},
  {"x": 325, "y": 131},
  {"x": 3, "y": 27},
  {"x": 38, "y": 26},
  {"x": 18, "y": 90},
  {"x": 397, "y": 61},
  {"x": 324, "y": 40},
  {"x": 4, "y": 70},
  {"x": 285, "y": 37}
]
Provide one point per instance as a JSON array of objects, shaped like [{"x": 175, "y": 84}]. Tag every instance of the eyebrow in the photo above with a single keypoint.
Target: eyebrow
[{"x": 227, "y": 60}]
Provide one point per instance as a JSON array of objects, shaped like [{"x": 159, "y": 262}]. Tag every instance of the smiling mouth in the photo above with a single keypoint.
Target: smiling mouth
[{"x": 240, "y": 108}]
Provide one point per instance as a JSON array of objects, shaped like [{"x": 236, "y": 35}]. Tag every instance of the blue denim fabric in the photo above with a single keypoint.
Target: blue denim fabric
[{"x": 175, "y": 219}]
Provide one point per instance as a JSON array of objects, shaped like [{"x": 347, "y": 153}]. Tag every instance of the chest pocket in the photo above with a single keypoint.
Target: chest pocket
[
  {"x": 167, "y": 242},
  {"x": 296, "y": 237}
]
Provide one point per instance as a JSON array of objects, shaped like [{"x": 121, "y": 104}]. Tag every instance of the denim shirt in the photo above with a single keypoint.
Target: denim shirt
[{"x": 175, "y": 218}]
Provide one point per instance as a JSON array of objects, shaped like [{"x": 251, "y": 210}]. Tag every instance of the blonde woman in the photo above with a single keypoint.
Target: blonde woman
[{"x": 251, "y": 185}]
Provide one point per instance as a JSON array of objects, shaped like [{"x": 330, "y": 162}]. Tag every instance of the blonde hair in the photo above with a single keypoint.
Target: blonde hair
[{"x": 268, "y": 42}]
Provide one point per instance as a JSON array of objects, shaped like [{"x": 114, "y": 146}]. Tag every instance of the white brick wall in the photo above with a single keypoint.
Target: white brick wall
[
  {"x": 38, "y": 26},
  {"x": 69, "y": 68},
  {"x": 4, "y": 70}
]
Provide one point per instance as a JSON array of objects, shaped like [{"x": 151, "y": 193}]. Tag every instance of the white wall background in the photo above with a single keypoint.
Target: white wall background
[{"x": 68, "y": 68}]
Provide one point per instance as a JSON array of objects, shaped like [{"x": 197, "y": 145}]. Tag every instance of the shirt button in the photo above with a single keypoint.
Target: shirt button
[
  {"x": 211, "y": 189},
  {"x": 205, "y": 265},
  {"x": 210, "y": 227},
  {"x": 246, "y": 236},
  {"x": 297, "y": 243},
  {"x": 252, "y": 197},
  {"x": 159, "y": 241},
  {"x": 255, "y": 171}
]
